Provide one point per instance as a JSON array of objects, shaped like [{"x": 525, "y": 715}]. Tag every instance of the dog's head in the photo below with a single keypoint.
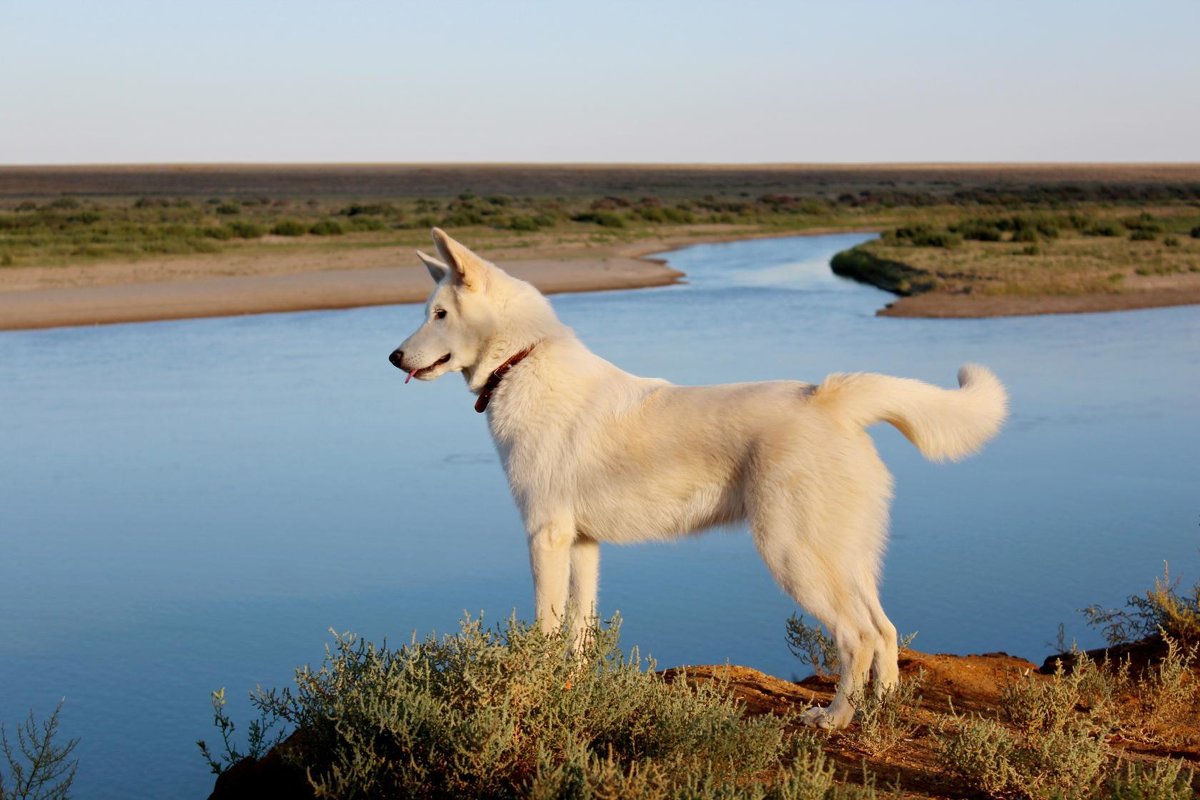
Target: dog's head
[{"x": 460, "y": 315}]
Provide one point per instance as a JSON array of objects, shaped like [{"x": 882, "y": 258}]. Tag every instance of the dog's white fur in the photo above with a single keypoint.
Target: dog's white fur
[{"x": 594, "y": 454}]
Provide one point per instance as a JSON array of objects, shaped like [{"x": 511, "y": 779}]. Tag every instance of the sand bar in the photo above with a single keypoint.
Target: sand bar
[{"x": 301, "y": 291}]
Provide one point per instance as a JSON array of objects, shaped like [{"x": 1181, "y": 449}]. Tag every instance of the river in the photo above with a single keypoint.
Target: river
[{"x": 192, "y": 505}]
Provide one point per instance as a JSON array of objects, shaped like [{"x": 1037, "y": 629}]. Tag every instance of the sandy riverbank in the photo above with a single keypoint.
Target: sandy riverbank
[
  {"x": 257, "y": 282},
  {"x": 181, "y": 288}
]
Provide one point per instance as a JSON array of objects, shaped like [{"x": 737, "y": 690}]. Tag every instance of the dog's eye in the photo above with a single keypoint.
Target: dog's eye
[{"x": 439, "y": 313}]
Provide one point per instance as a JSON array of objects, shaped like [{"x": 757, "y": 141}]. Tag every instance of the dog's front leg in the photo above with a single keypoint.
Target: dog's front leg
[
  {"x": 550, "y": 559},
  {"x": 585, "y": 584}
]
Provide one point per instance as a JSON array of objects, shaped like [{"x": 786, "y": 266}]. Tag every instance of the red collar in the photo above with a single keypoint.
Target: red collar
[{"x": 493, "y": 381}]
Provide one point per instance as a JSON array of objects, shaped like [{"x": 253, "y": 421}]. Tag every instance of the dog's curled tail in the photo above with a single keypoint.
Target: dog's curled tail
[{"x": 944, "y": 424}]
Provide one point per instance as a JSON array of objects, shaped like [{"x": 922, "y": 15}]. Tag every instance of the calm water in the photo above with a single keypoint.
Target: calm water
[{"x": 190, "y": 505}]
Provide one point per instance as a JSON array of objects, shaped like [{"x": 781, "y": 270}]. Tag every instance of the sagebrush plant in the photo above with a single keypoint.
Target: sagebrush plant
[
  {"x": 1168, "y": 779},
  {"x": 510, "y": 712},
  {"x": 886, "y": 719},
  {"x": 1159, "y": 698},
  {"x": 1058, "y": 748},
  {"x": 1084, "y": 699},
  {"x": 261, "y": 735},
  {"x": 38, "y": 766},
  {"x": 1054, "y": 744},
  {"x": 812, "y": 645},
  {"x": 1162, "y": 608}
]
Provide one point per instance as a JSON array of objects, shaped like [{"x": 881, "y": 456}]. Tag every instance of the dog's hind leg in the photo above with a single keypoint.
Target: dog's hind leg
[
  {"x": 823, "y": 587},
  {"x": 884, "y": 666},
  {"x": 585, "y": 586}
]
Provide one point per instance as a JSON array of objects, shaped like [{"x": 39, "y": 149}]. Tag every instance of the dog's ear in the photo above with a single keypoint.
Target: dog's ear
[
  {"x": 466, "y": 268},
  {"x": 437, "y": 269}
]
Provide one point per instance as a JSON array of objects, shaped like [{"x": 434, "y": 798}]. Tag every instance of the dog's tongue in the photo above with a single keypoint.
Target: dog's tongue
[{"x": 409, "y": 378}]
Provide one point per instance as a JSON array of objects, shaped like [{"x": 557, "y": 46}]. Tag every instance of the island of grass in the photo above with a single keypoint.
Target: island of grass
[{"x": 1034, "y": 261}]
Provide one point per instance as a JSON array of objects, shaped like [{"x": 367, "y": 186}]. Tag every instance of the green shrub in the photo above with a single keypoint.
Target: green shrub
[
  {"x": 38, "y": 766},
  {"x": 1105, "y": 228},
  {"x": 982, "y": 753},
  {"x": 886, "y": 720},
  {"x": 679, "y": 215},
  {"x": 1084, "y": 699},
  {"x": 1144, "y": 222},
  {"x": 650, "y": 214},
  {"x": 1141, "y": 235},
  {"x": 1026, "y": 235},
  {"x": 1163, "y": 780},
  {"x": 229, "y": 209},
  {"x": 987, "y": 756},
  {"x": 463, "y": 218},
  {"x": 510, "y": 713},
  {"x": 1162, "y": 608},
  {"x": 522, "y": 222},
  {"x": 1171, "y": 241},
  {"x": 289, "y": 227},
  {"x": 367, "y": 224},
  {"x": 812, "y": 645},
  {"x": 369, "y": 209},
  {"x": 1195, "y": 231},
  {"x": 1059, "y": 748},
  {"x": 245, "y": 229},
  {"x": 327, "y": 227},
  {"x": 926, "y": 236},
  {"x": 605, "y": 219},
  {"x": 979, "y": 230}
]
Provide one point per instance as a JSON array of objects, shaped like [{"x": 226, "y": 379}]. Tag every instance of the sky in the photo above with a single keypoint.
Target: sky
[{"x": 174, "y": 81}]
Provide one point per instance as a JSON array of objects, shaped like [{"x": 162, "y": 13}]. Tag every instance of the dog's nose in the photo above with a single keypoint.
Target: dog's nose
[{"x": 397, "y": 358}]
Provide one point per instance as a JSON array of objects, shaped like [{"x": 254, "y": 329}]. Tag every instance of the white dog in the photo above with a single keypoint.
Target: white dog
[{"x": 594, "y": 454}]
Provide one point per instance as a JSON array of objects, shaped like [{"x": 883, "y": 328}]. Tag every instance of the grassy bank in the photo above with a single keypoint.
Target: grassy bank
[
  {"x": 1087, "y": 251},
  {"x": 508, "y": 713}
]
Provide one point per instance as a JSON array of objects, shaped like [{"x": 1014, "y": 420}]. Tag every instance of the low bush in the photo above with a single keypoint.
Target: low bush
[
  {"x": 1144, "y": 222},
  {"x": 979, "y": 230},
  {"x": 1105, "y": 228},
  {"x": 925, "y": 236},
  {"x": 1058, "y": 749},
  {"x": 886, "y": 720},
  {"x": 327, "y": 227},
  {"x": 289, "y": 227},
  {"x": 1161, "y": 608},
  {"x": 511, "y": 713},
  {"x": 605, "y": 219},
  {"x": 369, "y": 209},
  {"x": 522, "y": 223},
  {"x": 245, "y": 229},
  {"x": 1162, "y": 780}
]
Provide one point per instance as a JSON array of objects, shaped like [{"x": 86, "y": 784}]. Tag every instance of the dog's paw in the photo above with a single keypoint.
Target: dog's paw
[
  {"x": 826, "y": 718},
  {"x": 817, "y": 717}
]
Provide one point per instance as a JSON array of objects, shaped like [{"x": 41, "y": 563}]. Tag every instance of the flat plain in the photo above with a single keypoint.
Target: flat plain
[{"x": 989, "y": 239}]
